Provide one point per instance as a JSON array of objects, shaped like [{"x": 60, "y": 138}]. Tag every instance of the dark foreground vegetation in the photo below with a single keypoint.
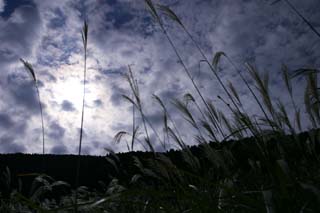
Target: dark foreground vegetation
[
  {"x": 279, "y": 174},
  {"x": 269, "y": 166}
]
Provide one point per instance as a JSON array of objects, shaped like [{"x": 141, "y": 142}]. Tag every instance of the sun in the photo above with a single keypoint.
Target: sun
[
  {"x": 69, "y": 86},
  {"x": 69, "y": 89}
]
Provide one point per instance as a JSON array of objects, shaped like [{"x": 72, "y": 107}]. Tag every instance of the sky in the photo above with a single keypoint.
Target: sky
[{"x": 121, "y": 32}]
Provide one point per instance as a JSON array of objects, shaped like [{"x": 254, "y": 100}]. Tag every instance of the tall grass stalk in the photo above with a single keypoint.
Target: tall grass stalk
[
  {"x": 156, "y": 16},
  {"x": 242, "y": 118},
  {"x": 84, "y": 34},
  {"x": 134, "y": 128},
  {"x": 207, "y": 116},
  {"x": 137, "y": 103},
  {"x": 251, "y": 90},
  {"x": 174, "y": 17},
  {"x": 243, "y": 121},
  {"x": 167, "y": 118},
  {"x": 167, "y": 11},
  {"x": 30, "y": 69},
  {"x": 165, "y": 121},
  {"x": 287, "y": 81}
]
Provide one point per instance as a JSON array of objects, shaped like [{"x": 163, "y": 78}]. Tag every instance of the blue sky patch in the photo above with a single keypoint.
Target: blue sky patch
[{"x": 11, "y": 5}]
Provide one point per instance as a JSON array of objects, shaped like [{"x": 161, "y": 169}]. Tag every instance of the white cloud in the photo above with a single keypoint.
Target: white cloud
[{"x": 2, "y": 5}]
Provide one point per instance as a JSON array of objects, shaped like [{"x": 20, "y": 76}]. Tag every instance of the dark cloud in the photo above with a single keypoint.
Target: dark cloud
[
  {"x": 56, "y": 131},
  {"x": 18, "y": 33},
  {"x": 96, "y": 144},
  {"x": 156, "y": 118},
  {"x": 59, "y": 149},
  {"x": 58, "y": 20},
  {"x": 67, "y": 106},
  {"x": 116, "y": 71},
  {"x": 5, "y": 121},
  {"x": 98, "y": 103},
  {"x": 116, "y": 97},
  {"x": 20, "y": 127},
  {"x": 116, "y": 126},
  {"x": 49, "y": 77},
  {"x": 172, "y": 91},
  {"x": 23, "y": 93},
  {"x": 8, "y": 145},
  {"x": 161, "y": 148},
  {"x": 86, "y": 150},
  {"x": 119, "y": 16}
]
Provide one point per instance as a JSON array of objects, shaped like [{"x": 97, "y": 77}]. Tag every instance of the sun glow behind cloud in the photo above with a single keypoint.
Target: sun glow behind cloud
[{"x": 65, "y": 96}]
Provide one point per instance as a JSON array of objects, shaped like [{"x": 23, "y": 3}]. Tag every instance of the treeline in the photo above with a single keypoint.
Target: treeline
[{"x": 99, "y": 170}]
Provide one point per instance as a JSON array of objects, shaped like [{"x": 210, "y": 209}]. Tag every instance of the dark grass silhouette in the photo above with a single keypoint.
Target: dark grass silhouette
[
  {"x": 84, "y": 34},
  {"x": 31, "y": 71}
]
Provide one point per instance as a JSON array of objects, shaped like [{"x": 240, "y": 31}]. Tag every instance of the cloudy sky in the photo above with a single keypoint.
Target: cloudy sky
[{"x": 121, "y": 32}]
